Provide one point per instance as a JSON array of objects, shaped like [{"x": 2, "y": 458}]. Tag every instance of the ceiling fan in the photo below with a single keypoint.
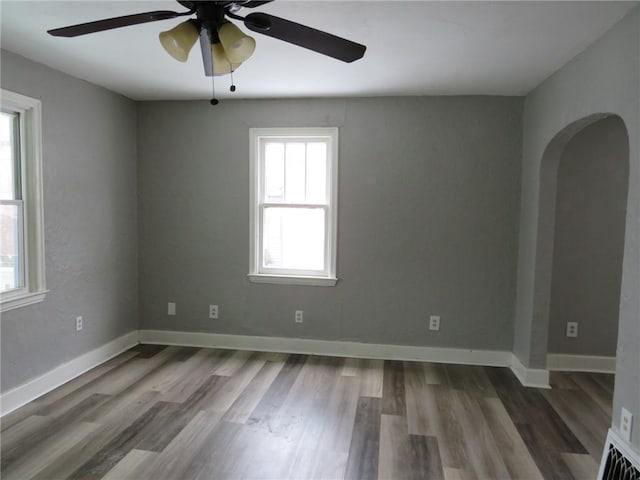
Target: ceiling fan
[{"x": 224, "y": 46}]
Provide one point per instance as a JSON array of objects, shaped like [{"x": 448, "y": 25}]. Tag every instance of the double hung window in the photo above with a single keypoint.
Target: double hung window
[
  {"x": 294, "y": 197},
  {"x": 21, "y": 226}
]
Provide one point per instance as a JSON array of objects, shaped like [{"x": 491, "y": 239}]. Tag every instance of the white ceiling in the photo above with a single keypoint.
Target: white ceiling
[{"x": 413, "y": 48}]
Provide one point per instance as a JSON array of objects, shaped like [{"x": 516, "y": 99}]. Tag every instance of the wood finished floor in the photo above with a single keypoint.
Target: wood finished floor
[{"x": 158, "y": 412}]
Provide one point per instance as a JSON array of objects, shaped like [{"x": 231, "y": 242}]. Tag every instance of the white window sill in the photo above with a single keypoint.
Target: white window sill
[
  {"x": 291, "y": 280},
  {"x": 22, "y": 300}
]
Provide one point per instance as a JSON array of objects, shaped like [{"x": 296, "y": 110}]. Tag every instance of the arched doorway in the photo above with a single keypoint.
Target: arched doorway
[
  {"x": 546, "y": 232},
  {"x": 584, "y": 181},
  {"x": 588, "y": 247}
]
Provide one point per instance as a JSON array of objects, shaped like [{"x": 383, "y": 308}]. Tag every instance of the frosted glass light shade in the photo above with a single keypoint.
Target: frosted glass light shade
[
  {"x": 221, "y": 64},
  {"x": 179, "y": 40},
  {"x": 237, "y": 46}
]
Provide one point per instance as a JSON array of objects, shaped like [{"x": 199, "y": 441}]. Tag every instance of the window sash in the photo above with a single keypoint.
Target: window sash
[
  {"x": 262, "y": 268},
  {"x": 21, "y": 280},
  {"x": 264, "y": 140},
  {"x": 17, "y": 125}
]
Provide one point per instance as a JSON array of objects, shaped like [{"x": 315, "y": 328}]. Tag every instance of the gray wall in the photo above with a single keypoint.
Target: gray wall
[
  {"x": 591, "y": 205},
  {"x": 605, "y": 78},
  {"x": 89, "y": 169},
  {"x": 428, "y": 209}
]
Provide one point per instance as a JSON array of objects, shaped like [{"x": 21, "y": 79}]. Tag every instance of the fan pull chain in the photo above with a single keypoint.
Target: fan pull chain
[
  {"x": 232, "y": 87},
  {"x": 214, "y": 100}
]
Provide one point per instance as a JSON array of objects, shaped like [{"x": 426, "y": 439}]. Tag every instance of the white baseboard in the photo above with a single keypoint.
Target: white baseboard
[
  {"x": 581, "y": 363},
  {"x": 529, "y": 377},
  {"x": 60, "y": 375},
  {"x": 328, "y": 347},
  {"x": 33, "y": 389}
]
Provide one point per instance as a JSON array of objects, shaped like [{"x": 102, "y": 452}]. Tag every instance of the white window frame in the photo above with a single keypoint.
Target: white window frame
[
  {"x": 283, "y": 276},
  {"x": 32, "y": 232}
]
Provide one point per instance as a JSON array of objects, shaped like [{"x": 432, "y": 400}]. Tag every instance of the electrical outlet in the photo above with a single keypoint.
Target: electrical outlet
[
  {"x": 299, "y": 316},
  {"x": 171, "y": 308},
  {"x": 78, "y": 324},
  {"x": 572, "y": 329},
  {"x": 434, "y": 322},
  {"x": 626, "y": 422},
  {"x": 213, "y": 311}
]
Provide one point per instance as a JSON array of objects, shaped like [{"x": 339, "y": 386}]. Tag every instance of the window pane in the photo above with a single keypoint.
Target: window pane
[
  {"x": 274, "y": 172},
  {"x": 295, "y": 172},
  {"x": 317, "y": 172},
  {"x": 8, "y": 158},
  {"x": 294, "y": 238},
  {"x": 10, "y": 247}
]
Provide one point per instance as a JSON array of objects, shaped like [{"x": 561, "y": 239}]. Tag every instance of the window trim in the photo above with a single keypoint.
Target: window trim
[
  {"x": 34, "y": 289},
  {"x": 331, "y": 219}
]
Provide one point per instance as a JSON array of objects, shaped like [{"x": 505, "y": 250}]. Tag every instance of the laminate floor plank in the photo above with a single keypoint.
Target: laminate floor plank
[
  {"x": 470, "y": 378},
  {"x": 434, "y": 373},
  {"x": 596, "y": 392},
  {"x": 323, "y": 448},
  {"x": 583, "y": 467},
  {"x": 424, "y": 458},
  {"x": 219, "y": 455},
  {"x": 277, "y": 392},
  {"x": 395, "y": 448},
  {"x": 335, "y": 439},
  {"x": 183, "y": 413},
  {"x": 548, "y": 460},
  {"x": 371, "y": 373},
  {"x": 350, "y": 367},
  {"x": 483, "y": 455},
  {"x": 48, "y": 451},
  {"x": 22, "y": 436},
  {"x": 232, "y": 363},
  {"x": 189, "y": 378},
  {"x": 115, "y": 450},
  {"x": 512, "y": 449},
  {"x": 19, "y": 415},
  {"x": 247, "y": 401},
  {"x": 364, "y": 450},
  {"x": 419, "y": 400},
  {"x": 175, "y": 459},
  {"x": 452, "y": 474},
  {"x": 80, "y": 453},
  {"x": 129, "y": 373},
  {"x": 393, "y": 394},
  {"x": 126, "y": 468},
  {"x": 444, "y": 424},
  {"x": 12, "y": 450},
  {"x": 584, "y": 417},
  {"x": 236, "y": 384},
  {"x": 301, "y": 412}
]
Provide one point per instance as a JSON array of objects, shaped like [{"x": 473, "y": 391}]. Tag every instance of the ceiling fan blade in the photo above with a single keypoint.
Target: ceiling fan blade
[
  {"x": 116, "y": 22},
  {"x": 306, "y": 37},
  {"x": 254, "y": 3}
]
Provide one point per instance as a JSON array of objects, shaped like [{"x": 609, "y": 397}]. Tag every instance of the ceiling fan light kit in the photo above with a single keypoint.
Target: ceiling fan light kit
[
  {"x": 224, "y": 46},
  {"x": 221, "y": 63},
  {"x": 179, "y": 41},
  {"x": 237, "y": 46}
]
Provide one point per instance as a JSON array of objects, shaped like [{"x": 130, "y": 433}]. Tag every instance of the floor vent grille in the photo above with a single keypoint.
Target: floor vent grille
[{"x": 618, "y": 463}]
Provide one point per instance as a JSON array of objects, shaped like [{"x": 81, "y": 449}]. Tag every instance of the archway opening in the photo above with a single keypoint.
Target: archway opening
[
  {"x": 584, "y": 179},
  {"x": 588, "y": 247}
]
